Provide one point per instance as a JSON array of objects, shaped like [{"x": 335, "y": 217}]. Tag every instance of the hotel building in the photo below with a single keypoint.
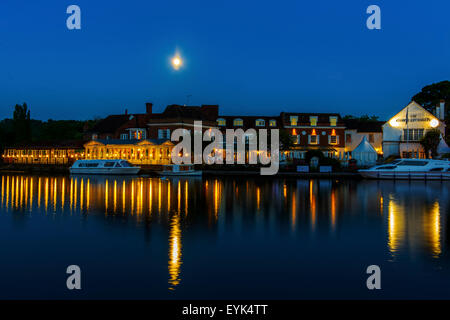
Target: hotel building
[
  {"x": 402, "y": 133},
  {"x": 315, "y": 131}
]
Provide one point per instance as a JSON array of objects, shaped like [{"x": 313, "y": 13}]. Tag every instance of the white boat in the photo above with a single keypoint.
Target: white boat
[
  {"x": 112, "y": 167},
  {"x": 410, "y": 169},
  {"x": 179, "y": 170}
]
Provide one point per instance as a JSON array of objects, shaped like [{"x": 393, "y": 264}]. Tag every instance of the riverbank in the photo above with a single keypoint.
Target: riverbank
[
  {"x": 151, "y": 171},
  {"x": 300, "y": 175}
]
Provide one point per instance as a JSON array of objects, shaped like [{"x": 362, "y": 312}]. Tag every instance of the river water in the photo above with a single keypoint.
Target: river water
[{"x": 224, "y": 238}]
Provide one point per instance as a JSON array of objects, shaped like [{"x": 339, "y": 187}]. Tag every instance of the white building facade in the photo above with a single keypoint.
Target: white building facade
[{"x": 402, "y": 133}]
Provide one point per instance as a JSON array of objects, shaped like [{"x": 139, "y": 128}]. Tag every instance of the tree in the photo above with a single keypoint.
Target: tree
[
  {"x": 430, "y": 141},
  {"x": 430, "y": 95},
  {"x": 21, "y": 123},
  {"x": 286, "y": 140}
]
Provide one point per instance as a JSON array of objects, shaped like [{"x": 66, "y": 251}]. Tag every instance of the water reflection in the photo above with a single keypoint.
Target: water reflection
[{"x": 412, "y": 216}]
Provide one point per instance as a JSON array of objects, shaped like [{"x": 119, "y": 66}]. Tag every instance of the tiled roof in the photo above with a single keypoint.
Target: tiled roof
[
  {"x": 111, "y": 123},
  {"x": 206, "y": 113}
]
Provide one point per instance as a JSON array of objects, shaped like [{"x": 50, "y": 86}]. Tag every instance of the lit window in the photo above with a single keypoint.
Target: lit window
[
  {"x": 260, "y": 123},
  {"x": 294, "y": 120},
  {"x": 313, "y": 121},
  {"x": 221, "y": 122},
  {"x": 163, "y": 133},
  {"x": 238, "y": 122},
  {"x": 333, "y": 139},
  {"x": 333, "y": 121},
  {"x": 313, "y": 138},
  {"x": 123, "y": 136},
  {"x": 273, "y": 123}
]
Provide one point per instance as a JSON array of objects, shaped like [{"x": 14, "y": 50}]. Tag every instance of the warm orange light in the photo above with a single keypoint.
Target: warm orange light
[
  {"x": 333, "y": 132},
  {"x": 313, "y": 132}
]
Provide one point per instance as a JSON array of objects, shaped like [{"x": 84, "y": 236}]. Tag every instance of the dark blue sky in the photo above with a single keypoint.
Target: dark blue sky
[{"x": 250, "y": 57}]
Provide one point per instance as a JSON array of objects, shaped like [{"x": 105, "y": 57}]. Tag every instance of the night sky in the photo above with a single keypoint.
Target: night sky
[{"x": 250, "y": 57}]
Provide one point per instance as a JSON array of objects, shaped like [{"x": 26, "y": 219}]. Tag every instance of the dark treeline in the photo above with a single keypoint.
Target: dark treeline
[{"x": 21, "y": 129}]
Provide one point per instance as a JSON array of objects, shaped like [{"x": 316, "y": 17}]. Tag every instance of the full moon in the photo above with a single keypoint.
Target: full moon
[{"x": 176, "y": 62}]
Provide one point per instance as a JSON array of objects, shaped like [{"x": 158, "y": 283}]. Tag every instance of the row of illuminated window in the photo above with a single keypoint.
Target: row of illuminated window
[
  {"x": 239, "y": 122},
  {"x": 41, "y": 153},
  {"x": 315, "y": 139},
  {"x": 313, "y": 121},
  {"x": 137, "y": 134}
]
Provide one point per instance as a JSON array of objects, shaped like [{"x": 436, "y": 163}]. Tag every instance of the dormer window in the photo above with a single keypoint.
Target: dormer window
[
  {"x": 333, "y": 121},
  {"x": 260, "y": 123},
  {"x": 221, "y": 122},
  {"x": 238, "y": 122},
  {"x": 313, "y": 121},
  {"x": 273, "y": 123},
  {"x": 294, "y": 120}
]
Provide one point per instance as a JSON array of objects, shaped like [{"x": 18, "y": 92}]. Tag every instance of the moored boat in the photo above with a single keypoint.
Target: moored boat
[
  {"x": 179, "y": 170},
  {"x": 410, "y": 169},
  {"x": 112, "y": 167}
]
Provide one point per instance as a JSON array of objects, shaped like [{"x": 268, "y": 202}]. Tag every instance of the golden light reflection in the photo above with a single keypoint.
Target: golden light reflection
[
  {"x": 46, "y": 194},
  {"x": 106, "y": 196},
  {"x": 71, "y": 194},
  {"x": 216, "y": 198},
  {"x": 258, "y": 199},
  {"x": 432, "y": 230},
  {"x": 39, "y": 192},
  {"x": 159, "y": 196},
  {"x": 63, "y": 193},
  {"x": 174, "y": 252},
  {"x": 75, "y": 194},
  {"x": 21, "y": 192},
  {"x": 7, "y": 192},
  {"x": 294, "y": 210},
  {"x": 168, "y": 196},
  {"x": 31, "y": 193},
  {"x": 81, "y": 193},
  {"x": 312, "y": 203},
  {"x": 185, "y": 198},
  {"x": 150, "y": 195},
  {"x": 396, "y": 227},
  {"x": 16, "y": 201},
  {"x": 333, "y": 209},
  {"x": 88, "y": 194},
  {"x": 123, "y": 196},
  {"x": 179, "y": 196},
  {"x": 115, "y": 196},
  {"x": 55, "y": 196},
  {"x": 381, "y": 205},
  {"x": 26, "y": 192}
]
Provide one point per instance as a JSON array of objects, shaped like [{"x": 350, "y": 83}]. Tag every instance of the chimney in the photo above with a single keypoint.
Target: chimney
[
  {"x": 148, "y": 107},
  {"x": 442, "y": 110}
]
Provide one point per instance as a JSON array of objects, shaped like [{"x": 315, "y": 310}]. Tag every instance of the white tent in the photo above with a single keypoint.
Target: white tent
[
  {"x": 365, "y": 154},
  {"x": 443, "y": 147}
]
